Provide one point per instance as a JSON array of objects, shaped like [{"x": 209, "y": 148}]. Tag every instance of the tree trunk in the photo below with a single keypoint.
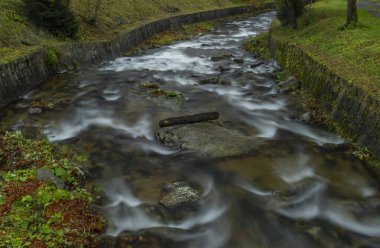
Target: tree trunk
[
  {"x": 188, "y": 119},
  {"x": 352, "y": 12},
  {"x": 292, "y": 13}
]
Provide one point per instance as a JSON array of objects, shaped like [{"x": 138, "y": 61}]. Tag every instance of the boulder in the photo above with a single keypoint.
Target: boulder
[
  {"x": 215, "y": 80},
  {"x": 180, "y": 194},
  {"x": 208, "y": 139}
]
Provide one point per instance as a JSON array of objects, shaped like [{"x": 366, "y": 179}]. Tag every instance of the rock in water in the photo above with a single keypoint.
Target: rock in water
[
  {"x": 238, "y": 61},
  {"x": 209, "y": 139},
  {"x": 35, "y": 111},
  {"x": 305, "y": 117},
  {"x": 180, "y": 194},
  {"x": 257, "y": 64},
  {"x": 215, "y": 80},
  {"x": 221, "y": 57}
]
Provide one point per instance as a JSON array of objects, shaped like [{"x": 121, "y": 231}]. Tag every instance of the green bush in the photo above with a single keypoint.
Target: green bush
[
  {"x": 283, "y": 10},
  {"x": 52, "y": 60},
  {"x": 53, "y": 15}
]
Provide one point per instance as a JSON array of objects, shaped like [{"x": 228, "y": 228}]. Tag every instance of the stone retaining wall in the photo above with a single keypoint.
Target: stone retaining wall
[
  {"x": 354, "y": 111},
  {"x": 25, "y": 73}
]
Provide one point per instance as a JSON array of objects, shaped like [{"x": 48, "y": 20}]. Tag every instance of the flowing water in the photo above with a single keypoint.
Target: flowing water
[{"x": 303, "y": 188}]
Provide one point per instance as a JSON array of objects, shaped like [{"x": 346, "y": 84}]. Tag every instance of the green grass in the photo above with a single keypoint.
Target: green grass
[
  {"x": 19, "y": 37},
  {"x": 352, "y": 52},
  {"x": 258, "y": 45}
]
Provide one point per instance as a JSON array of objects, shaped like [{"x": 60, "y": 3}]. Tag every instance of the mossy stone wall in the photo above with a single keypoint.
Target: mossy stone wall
[{"x": 354, "y": 111}]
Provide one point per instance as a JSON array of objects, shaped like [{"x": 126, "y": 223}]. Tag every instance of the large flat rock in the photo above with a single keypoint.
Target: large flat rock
[{"x": 208, "y": 139}]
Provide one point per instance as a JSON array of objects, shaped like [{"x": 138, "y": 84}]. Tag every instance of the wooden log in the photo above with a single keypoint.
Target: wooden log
[{"x": 188, "y": 119}]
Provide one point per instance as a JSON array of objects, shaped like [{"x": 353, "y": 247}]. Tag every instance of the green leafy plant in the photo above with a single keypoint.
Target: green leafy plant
[
  {"x": 52, "y": 60},
  {"x": 362, "y": 153}
]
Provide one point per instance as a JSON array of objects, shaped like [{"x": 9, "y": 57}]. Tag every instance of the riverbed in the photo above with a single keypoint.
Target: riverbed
[{"x": 297, "y": 186}]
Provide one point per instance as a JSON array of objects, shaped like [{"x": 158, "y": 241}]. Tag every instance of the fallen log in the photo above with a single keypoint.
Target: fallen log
[{"x": 188, "y": 119}]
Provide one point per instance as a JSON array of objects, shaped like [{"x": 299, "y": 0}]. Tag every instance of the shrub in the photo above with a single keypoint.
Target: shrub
[
  {"x": 52, "y": 60},
  {"x": 283, "y": 10},
  {"x": 53, "y": 15}
]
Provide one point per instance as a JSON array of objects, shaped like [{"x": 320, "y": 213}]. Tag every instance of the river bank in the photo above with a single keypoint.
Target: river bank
[
  {"x": 42, "y": 203},
  {"x": 338, "y": 67}
]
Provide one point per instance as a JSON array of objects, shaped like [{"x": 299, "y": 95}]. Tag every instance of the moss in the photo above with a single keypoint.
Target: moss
[
  {"x": 171, "y": 93},
  {"x": 155, "y": 90},
  {"x": 52, "y": 60},
  {"x": 150, "y": 85},
  {"x": 165, "y": 93},
  {"x": 258, "y": 45}
]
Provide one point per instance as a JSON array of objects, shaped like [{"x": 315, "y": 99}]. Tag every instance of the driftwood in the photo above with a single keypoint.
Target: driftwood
[{"x": 188, "y": 119}]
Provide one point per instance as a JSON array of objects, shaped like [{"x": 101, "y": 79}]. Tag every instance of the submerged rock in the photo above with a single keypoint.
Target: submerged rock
[
  {"x": 238, "y": 61},
  {"x": 107, "y": 241},
  {"x": 208, "y": 139},
  {"x": 297, "y": 194},
  {"x": 305, "y": 117},
  {"x": 140, "y": 239},
  {"x": 222, "y": 69},
  {"x": 180, "y": 194},
  {"x": 257, "y": 64},
  {"x": 221, "y": 57},
  {"x": 35, "y": 111},
  {"x": 215, "y": 80}
]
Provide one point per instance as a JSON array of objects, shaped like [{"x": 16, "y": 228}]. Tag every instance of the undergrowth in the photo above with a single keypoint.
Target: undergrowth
[{"x": 31, "y": 209}]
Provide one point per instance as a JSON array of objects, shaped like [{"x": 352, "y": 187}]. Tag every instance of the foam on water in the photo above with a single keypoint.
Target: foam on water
[
  {"x": 296, "y": 171},
  {"x": 85, "y": 119}
]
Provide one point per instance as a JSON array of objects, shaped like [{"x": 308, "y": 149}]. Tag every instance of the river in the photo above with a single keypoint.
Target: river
[{"x": 299, "y": 187}]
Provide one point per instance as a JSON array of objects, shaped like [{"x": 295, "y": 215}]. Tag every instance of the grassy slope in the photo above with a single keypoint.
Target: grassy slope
[
  {"x": 353, "y": 53},
  {"x": 18, "y": 36}
]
